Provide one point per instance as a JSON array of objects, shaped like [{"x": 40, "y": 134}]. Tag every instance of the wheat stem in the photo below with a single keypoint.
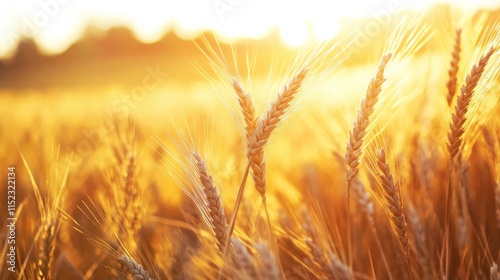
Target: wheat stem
[{"x": 232, "y": 223}]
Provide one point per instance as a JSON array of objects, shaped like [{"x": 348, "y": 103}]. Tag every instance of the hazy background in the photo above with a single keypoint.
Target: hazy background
[{"x": 61, "y": 44}]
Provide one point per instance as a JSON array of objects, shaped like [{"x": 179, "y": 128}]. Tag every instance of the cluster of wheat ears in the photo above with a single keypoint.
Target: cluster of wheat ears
[{"x": 409, "y": 212}]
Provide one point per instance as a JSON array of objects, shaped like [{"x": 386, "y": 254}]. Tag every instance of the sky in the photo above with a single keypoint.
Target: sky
[{"x": 57, "y": 24}]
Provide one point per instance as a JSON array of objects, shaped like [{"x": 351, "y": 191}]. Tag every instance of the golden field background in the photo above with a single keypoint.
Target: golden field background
[{"x": 105, "y": 167}]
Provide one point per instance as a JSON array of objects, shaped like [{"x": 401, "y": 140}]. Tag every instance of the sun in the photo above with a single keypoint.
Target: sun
[{"x": 294, "y": 35}]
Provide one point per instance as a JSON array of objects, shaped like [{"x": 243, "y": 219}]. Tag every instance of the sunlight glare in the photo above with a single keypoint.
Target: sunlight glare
[
  {"x": 56, "y": 24},
  {"x": 325, "y": 30},
  {"x": 294, "y": 34}
]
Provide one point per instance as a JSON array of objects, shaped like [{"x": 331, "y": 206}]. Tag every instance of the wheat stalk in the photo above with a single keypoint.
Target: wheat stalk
[
  {"x": 125, "y": 215},
  {"x": 214, "y": 201},
  {"x": 394, "y": 204},
  {"x": 459, "y": 116},
  {"x": 257, "y": 137},
  {"x": 452, "y": 72},
  {"x": 135, "y": 269},
  {"x": 266, "y": 126},
  {"x": 356, "y": 136},
  {"x": 260, "y": 137},
  {"x": 454, "y": 144}
]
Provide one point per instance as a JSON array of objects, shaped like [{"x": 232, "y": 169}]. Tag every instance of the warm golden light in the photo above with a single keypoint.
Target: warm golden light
[
  {"x": 249, "y": 139},
  {"x": 56, "y": 24}
]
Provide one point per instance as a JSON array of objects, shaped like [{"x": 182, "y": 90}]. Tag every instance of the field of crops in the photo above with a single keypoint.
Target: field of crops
[{"x": 375, "y": 155}]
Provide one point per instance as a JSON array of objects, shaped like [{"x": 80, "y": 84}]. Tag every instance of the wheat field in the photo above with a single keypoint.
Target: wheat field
[{"x": 347, "y": 159}]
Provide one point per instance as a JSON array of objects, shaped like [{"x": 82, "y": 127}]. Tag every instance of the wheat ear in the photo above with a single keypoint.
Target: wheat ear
[
  {"x": 125, "y": 214},
  {"x": 319, "y": 258},
  {"x": 394, "y": 204},
  {"x": 333, "y": 268},
  {"x": 355, "y": 143},
  {"x": 341, "y": 270},
  {"x": 420, "y": 239},
  {"x": 452, "y": 72},
  {"x": 135, "y": 269},
  {"x": 259, "y": 137},
  {"x": 266, "y": 126},
  {"x": 243, "y": 260},
  {"x": 132, "y": 208},
  {"x": 247, "y": 108},
  {"x": 463, "y": 101},
  {"x": 46, "y": 248},
  {"x": 494, "y": 273},
  {"x": 214, "y": 202},
  {"x": 268, "y": 268},
  {"x": 364, "y": 200},
  {"x": 356, "y": 136}
]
